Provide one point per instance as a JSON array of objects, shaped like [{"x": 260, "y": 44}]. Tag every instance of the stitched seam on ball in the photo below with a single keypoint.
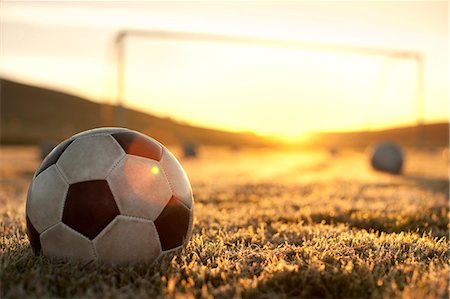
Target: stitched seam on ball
[
  {"x": 106, "y": 229},
  {"x": 190, "y": 229},
  {"x": 118, "y": 144},
  {"x": 62, "y": 174},
  {"x": 162, "y": 150},
  {"x": 154, "y": 140},
  {"x": 93, "y": 250},
  {"x": 116, "y": 198},
  {"x": 94, "y": 135},
  {"x": 154, "y": 226},
  {"x": 165, "y": 175},
  {"x": 51, "y": 226},
  {"x": 84, "y": 237},
  {"x": 173, "y": 249},
  {"x": 114, "y": 166},
  {"x": 159, "y": 240},
  {"x": 182, "y": 202},
  {"x": 136, "y": 217},
  {"x": 78, "y": 233},
  {"x": 172, "y": 188},
  {"x": 65, "y": 195},
  {"x": 158, "y": 257}
]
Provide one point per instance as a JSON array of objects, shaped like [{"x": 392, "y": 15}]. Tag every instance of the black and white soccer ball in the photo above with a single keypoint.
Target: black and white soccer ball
[
  {"x": 387, "y": 157},
  {"x": 109, "y": 194}
]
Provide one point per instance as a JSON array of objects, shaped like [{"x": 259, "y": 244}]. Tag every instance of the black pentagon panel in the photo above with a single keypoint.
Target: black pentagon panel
[
  {"x": 138, "y": 145},
  {"x": 89, "y": 207},
  {"x": 33, "y": 235},
  {"x": 54, "y": 155},
  {"x": 172, "y": 224},
  {"x": 97, "y": 131}
]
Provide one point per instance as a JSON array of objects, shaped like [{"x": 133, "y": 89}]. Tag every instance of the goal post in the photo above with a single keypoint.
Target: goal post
[{"x": 393, "y": 54}]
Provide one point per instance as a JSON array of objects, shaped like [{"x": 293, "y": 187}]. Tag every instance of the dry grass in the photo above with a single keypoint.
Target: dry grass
[{"x": 267, "y": 225}]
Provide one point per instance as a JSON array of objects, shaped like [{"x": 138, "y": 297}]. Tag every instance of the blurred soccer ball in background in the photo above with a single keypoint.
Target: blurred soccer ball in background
[
  {"x": 387, "y": 157},
  {"x": 109, "y": 194}
]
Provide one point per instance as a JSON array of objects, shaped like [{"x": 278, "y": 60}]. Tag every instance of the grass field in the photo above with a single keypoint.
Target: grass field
[{"x": 267, "y": 225}]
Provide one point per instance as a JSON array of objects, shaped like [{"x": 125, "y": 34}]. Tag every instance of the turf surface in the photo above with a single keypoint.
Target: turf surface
[{"x": 268, "y": 225}]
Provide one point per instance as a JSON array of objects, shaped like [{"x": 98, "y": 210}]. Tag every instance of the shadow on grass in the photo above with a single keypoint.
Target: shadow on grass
[
  {"x": 61, "y": 279},
  {"x": 312, "y": 283},
  {"x": 436, "y": 185},
  {"x": 433, "y": 220}
]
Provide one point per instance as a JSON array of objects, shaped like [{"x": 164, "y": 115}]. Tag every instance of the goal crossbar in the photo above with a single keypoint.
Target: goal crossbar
[{"x": 121, "y": 36}]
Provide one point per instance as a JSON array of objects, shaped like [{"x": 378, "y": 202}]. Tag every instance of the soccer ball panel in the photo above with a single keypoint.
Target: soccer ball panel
[
  {"x": 90, "y": 158},
  {"x": 53, "y": 156},
  {"x": 139, "y": 187},
  {"x": 136, "y": 144},
  {"x": 173, "y": 224},
  {"x": 190, "y": 226},
  {"x": 177, "y": 178},
  {"x": 90, "y": 207},
  {"x": 33, "y": 236},
  {"x": 128, "y": 240},
  {"x": 63, "y": 242},
  {"x": 100, "y": 131},
  {"x": 46, "y": 199},
  {"x": 185, "y": 238}
]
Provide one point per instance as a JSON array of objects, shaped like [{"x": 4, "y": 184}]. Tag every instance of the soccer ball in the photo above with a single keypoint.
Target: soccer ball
[
  {"x": 109, "y": 194},
  {"x": 387, "y": 157}
]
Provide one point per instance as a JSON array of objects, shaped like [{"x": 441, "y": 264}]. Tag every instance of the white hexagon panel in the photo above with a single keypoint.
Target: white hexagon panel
[
  {"x": 128, "y": 240},
  {"x": 62, "y": 242},
  {"x": 46, "y": 201},
  {"x": 90, "y": 158},
  {"x": 139, "y": 187},
  {"x": 177, "y": 178}
]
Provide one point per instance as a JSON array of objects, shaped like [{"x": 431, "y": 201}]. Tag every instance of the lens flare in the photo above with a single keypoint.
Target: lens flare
[{"x": 155, "y": 170}]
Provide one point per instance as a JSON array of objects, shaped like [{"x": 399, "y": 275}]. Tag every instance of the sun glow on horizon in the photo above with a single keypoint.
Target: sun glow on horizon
[
  {"x": 268, "y": 90},
  {"x": 272, "y": 91}
]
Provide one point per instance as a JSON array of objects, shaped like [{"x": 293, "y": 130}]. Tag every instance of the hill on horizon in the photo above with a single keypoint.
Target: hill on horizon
[
  {"x": 433, "y": 134},
  {"x": 31, "y": 115}
]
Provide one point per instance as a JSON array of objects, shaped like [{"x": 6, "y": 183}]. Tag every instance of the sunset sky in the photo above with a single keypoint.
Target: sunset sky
[{"x": 268, "y": 90}]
